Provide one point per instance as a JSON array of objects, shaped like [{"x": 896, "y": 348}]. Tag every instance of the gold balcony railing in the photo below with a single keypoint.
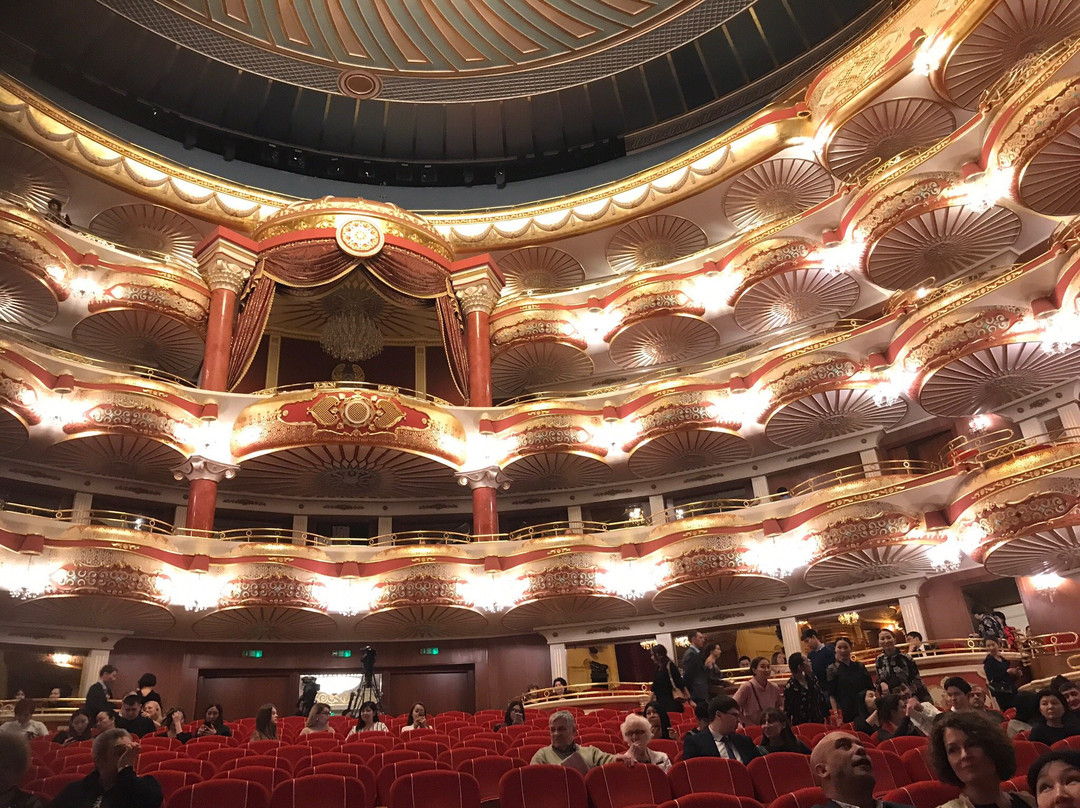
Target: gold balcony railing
[
  {"x": 389, "y": 389},
  {"x": 864, "y": 471},
  {"x": 552, "y": 530}
]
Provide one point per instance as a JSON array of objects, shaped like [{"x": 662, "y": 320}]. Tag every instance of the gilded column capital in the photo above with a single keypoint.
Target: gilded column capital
[
  {"x": 198, "y": 467},
  {"x": 490, "y": 477},
  {"x": 480, "y": 297},
  {"x": 477, "y": 282},
  {"x": 227, "y": 275}
]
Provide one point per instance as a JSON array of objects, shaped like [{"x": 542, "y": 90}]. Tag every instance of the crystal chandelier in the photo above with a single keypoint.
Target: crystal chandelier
[
  {"x": 351, "y": 333},
  {"x": 849, "y": 618}
]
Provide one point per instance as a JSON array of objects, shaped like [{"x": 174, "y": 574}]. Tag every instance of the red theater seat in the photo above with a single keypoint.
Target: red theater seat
[
  {"x": 435, "y": 789},
  {"x": 270, "y": 761},
  {"x": 263, "y": 775},
  {"x": 779, "y": 773},
  {"x": 488, "y": 771},
  {"x": 385, "y": 777},
  {"x": 452, "y": 757},
  {"x": 543, "y": 787},
  {"x": 902, "y": 744},
  {"x": 1067, "y": 743},
  {"x": 925, "y": 794},
  {"x": 1027, "y": 752},
  {"x": 262, "y": 747},
  {"x": 51, "y": 786},
  {"x": 172, "y": 781},
  {"x": 148, "y": 759},
  {"x": 711, "y": 799},
  {"x": 221, "y": 755},
  {"x": 918, "y": 765},
  {"x": 320, "y": 742},
  {"x": 614, "y": 785},
  {"x": 150, "y": 743},
  {"x": 889, "y": 771},
  {"x": 710, "y": 774},
  {"x": 221, "y": 794},
  {"x": 800, "y": 798},
  {"x": 356, "y": 771},
  {"x": 320, "y": 791}
]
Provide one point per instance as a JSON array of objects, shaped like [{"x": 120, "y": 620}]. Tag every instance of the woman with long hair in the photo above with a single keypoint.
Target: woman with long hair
[
  {"x": 776, "y": 734},
  {"x": 757, "y": 694},
  {"x": 318, "y": 719},
  {"x": 513, "y": 715},
  {"x": 659, "y": 721},
  {"x": 78, "y": 729},
  {"x": 804, "y": 700},
  {"x": 418, "y": 718},
  {"x": 367, "y": 720},
  {"x": 214, "y": 723},
  {"x": 174, "y": 725},
  {"x": 969, "y": 751},
  {"x": 265, "y": 723},
  {"x": 667, "y": 682}
]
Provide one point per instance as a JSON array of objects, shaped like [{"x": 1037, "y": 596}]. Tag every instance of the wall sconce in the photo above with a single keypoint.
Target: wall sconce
[{"x": 1046, "y": 584}]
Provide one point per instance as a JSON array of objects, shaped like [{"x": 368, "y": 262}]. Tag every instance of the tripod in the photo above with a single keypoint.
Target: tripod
[{"x": 368, "y": 690}]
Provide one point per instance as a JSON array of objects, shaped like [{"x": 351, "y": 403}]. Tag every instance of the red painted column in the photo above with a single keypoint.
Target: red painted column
[
  {"x": 219, "y": 330},
  {"x": 477, "y": 324},
  {"x": 202, "y": 502}
]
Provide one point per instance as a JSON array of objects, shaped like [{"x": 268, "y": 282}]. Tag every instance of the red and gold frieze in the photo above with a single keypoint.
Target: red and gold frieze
[
  {"x": 112, "y": 580},
  {"x": 1049, "y": 505},
  {"x": 437, "y": 587},
  {"x": 532, "y": 323},
  {"x": 758, "y": 260},
  {"x": 26, "y": 245},
  {"x": 792, "y": 381},
  {"x": 651, "y": 300},
  {"x": 270, "y": 587},
  {"x": 163, "y": 296},
  {"x": 706, "y": 556},
  {"x": 681, "y": 408},
  {"x": 365, "y": 417},
  {"x": 869, "y": 529},
  {"x": 566, "y": 575},
  {"x": 959, "y": 335},
  {"x": 562, "y": 431},
  {"x": 871, "y": 215}
]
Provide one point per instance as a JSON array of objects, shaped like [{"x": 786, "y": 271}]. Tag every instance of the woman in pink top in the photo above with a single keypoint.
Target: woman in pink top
[{"x": 758, "y": 693}]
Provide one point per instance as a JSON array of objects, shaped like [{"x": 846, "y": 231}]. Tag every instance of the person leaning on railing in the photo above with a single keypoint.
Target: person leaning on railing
[{"x": 894, "y": 664}]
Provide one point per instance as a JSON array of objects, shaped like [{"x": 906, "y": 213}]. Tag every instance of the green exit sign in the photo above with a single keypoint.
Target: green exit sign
[
  {"x": 429, "y": 651},
  {"x": 344, "y": 653},
  {"x": 254, "y": 653}
]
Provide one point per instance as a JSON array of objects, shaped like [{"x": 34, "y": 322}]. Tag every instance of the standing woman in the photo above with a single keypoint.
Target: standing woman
[
  {"x": 1001, "y": 675},
  {"x": 804, "y": 700},
  {"x": 757, "y": 694},
  {"x": 265, "y": 724},
  {"x": 367, "y": 720},
  {"x": 847, "y": 681},
  {"x": 970, "y": 752},
  {"x": 667, "y": 685},
  {"x": 892, "y": 663}
]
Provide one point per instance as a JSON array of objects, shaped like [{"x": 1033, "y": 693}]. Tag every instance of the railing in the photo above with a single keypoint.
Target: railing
[
  {"x": 1019, "y": 446},
  {"x": 45, "y": 710},
  {"x": 951, "y": 646},
  {"x": 863, "y": 471},
  {"x": 708, "y": 507},
  {"x": 551, "y": 530},
  {"x": 343, "y": 385}
]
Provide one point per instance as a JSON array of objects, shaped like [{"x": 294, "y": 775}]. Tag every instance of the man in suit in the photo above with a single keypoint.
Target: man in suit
[
  {"x": 844, "y": 772},
  {"x": 97, "y": 697},
  {"x": 697, "y": 641},
  {"x": 719, "y": 738}
]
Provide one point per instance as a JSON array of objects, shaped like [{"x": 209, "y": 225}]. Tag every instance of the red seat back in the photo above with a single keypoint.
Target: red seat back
[
  {"x": 263, "y": 775},
  {"x": 148, "y": 759},
  {"x": 378, "y": 762},
  {"x": 269, "y": 761},
  {"x": 710, "y": 774},
  {"x": 321, "y": 741},
  {"x": 452, "y": 757},
  {"x": 430, "y": 748},
  {"x": 150, "y": 743},
  {"x": 320, "y": 791},
  {"x": 668, "y": 747},
  {"x": 924, "y": 794},
  {"x": 385, "y": 777},
  {"x": 889, "y": 771},
  {"x": 295, "y": 754},
  {"x": 488, "y": 771},
  {"x": 543, "y": 787},
  {"x": 438, "y": 788},
  {"x": 809, "y": 731},
  {"x": 711, "y": 799},
  {"x": 615, "y": 785},
  {"x": 497, "y": 746},
  {"x": 221, "y": 755},
  {"x": 334, "y": 757},
  {"x": 221, "y": 794},
  {"x": 203, "y": 768},
  {"x": 173, "y": 781},
  {"x": 526, "y": 751},
  {"x": 1072, "y": 742},
  {"x": 779, "y": 773},
  {"x": 902, "y": 744},
  {"x": 356, "y": 771},
  {"x": 918, "y": 765},
  {"x": 1027, "y": 752},
  {"x": 51, "y": 786},
  {"x": 799, "y": 798},
  {"x": 262, "y": 747},
  {"x": 70, "y": 762}
]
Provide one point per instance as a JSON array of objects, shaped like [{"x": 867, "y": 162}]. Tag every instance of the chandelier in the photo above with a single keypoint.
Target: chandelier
[
  {"x": 849, "y": 618},
  {"x": 351, "y": 333}
]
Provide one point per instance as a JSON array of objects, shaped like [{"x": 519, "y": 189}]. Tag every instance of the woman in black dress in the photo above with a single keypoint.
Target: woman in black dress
[{"x": 667, "y": 682}]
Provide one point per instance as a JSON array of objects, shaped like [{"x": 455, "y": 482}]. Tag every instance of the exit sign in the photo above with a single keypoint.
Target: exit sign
[
  {"x": 254, "y": 653},
  {"x": 429, "y": 651},
  {"x": 343, "y": 653}
]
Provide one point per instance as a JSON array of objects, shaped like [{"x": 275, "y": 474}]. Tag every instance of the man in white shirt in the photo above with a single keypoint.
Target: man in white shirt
[
  {"x": 24, "y": 723},
  {"x": 719, "y": 739}
]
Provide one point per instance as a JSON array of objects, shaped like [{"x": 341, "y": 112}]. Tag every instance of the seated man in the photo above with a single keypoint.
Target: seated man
[
  {"x": 564, "y": 752},
  {"x": 719, "y": 738},
  {"x": 131, "y": 717},
  {"x": 113, "y": 781},
  {"x": 977, "y": 698},
  {"x": 844, "y": 771}
]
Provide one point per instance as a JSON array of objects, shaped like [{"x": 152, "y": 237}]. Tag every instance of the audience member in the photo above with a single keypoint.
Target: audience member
[
  {"x": 757, "y": 693},
  {"x": 821, "y": 656},
  {"x": 969, "y": 751},
  {"x": 1056, "y": 723},
  {"x": 368, "y": 720},
  {"x": 174, "y": 725},
  {"x": 78, "y": 729},
  {"x": 845, "y": 773},
  {"x": 1069, "y": 692},
  {"x": 152, "y": 710},
  {"x": 417, "y": 717},
  {"x": 699, "y": 670},
  {"x": 701, "y": 713},
  {"x": 1026, "y": 709},
  {"x": 113, "y": 782},
  {"x": 696, "y": 647},
  {"x": 558, "y": 686},
  {"x": 104, "y": 720},
  {"x": 513, "y": 715},
  {"x": 977, "y": 698},
  {"x": 987, "y": 625},
  {"x": 744, "y": 662},
  {"x": 318, "y": 719},
  {"x": 214, "y": 722},
  {"x": 804, "y": 700},
  {"x": 846, "y": 681},
  {"x": 147, "y": 683},
  {"x": 667, "y": 685},
  {"x": 100, "y": 692},
  {"x": 659, "y": 721},
  {"x": 14, "y": 761},
  {"x": 1054, "y": 779},
  {"x": 866, "y": 717},
  {"x": 266, "y": 724},
  {"x": 132, "y": 719},
  {"x": 893, "y": 664},
  {"x": 1001, "y": 675},
  {"x": 778, "y": 658},
  {"x": 564, "y": 752},
  {"x": 892, "y": 720},
  {"x": 637, "y": 733},
  {"x": 958, "y": 692},
  {"x": 24, "y": 722},
  {"x": 916, "y": 647},
  {"x": 54, "y": 697},
  {"x": 776, "y": 734},
  {"x": 719, "y": 739}
]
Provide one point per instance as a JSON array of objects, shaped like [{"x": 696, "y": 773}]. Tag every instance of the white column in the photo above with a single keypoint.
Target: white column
[
  {"x": 656, "y": 509},
  {"x": 558, "y": 660},
  {"x": 760, "y": 486},
  {"x": 180, "y": 516},
  {"x": 1032, "y": 427},
  {"x": 871, "y": 461},
  {"x": 1069, "y": 415},
  {"x": 273, "y": 360},
  {"x": 299, "y": 527},
  {"x": 911, "y": 613},
  {"x": 668, "y": 641},
  {"x": 789, "y": 634},
  {"x": 95, "y": 659},
  {"x": 80, "y": 508},
  {"x": 573, "y": 517},
  {"x": 386, "y": 525},
  {"x": 420, "y": 369}
]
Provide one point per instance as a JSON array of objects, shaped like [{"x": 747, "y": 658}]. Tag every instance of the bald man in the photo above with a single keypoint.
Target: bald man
[{"x": 844, "y": 771}]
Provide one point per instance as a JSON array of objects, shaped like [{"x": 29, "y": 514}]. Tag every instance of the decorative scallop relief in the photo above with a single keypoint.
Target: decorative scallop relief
[
  {"x": 421, "y": 623},
  {"x": 940, "y": 244},
  {"x": 142, "y": 337},
  {"x": 264, "y": 623},
  {"x": 126, "y": 457},
  {"x": 831, "y": 414},
  {"x": 662, "y": 339},
  {"x": 987, "y": 380},
  {"x": 776, "y": 189},
  {"x": 535, "y": 366},
  {"x": 1056, "y": 550},
  {"x": 654, "y": 241},
  {"x": 104, "y": 612},
  {"x": 540, "y": 269},
  {"x": 1050, "y": 183},
  {"x": 792, "y": 297},
  {"x": 147, "y": 227},
  {"x": 884, "y": 130},
  {"x": 871, "y": 564},
  {"x": 12, "y": 432},
  {"x": 557, "y": 471},
  {"x": 24, "y": 299},
  {"x": 1013, "y": 29},
  {"x": 569, "y": 609},
  {"x": 683, "y": 451},
  {"x": 28, "y": 175},
  {"x": 718, "y": 590}
]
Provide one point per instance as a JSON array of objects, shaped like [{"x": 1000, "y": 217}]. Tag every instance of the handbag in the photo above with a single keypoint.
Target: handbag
[{"x": 679, "y": 693}]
